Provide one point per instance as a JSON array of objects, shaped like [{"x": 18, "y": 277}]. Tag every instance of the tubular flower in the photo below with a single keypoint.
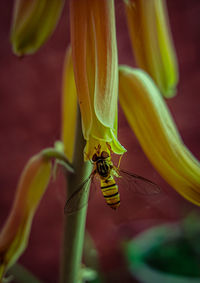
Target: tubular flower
[
  {"x": 152, "y": 42},
  {"x": 15, "y": 233},
  {"x": 33, "y": 23},
  {"x": 94, "y": 53},
  {"x": 154, "y": 127}
]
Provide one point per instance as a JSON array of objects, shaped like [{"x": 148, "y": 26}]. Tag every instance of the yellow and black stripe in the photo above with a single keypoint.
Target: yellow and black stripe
[{"x": 110, "y": 192}]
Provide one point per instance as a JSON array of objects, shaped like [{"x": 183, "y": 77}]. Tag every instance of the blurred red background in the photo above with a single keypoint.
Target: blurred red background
[{"x": 30, "y": 104}]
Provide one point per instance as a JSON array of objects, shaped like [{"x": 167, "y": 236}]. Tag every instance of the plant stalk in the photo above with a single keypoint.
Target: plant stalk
[{"x": 74, "y": 224}]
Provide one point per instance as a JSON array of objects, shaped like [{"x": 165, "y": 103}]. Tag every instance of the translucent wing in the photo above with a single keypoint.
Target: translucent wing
[
  {"x": 78, "y": 198},
  {"x": 137, "y": 184}
]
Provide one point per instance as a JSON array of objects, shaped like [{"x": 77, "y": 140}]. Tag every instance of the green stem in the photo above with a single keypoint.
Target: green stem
[{"x": 74, "y": 224}]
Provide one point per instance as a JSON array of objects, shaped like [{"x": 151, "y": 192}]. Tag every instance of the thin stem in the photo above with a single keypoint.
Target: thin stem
[
  {"x": 74, "y": 224},
  {"x": 60, "y": 156}
]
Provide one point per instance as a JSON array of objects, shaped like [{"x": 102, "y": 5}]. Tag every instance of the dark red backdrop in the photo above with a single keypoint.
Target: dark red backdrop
[{"x": 30, "y": 94}]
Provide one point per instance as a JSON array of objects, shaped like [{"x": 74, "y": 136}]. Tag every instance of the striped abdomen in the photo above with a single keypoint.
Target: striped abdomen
[{"x": 110, "y": 192}]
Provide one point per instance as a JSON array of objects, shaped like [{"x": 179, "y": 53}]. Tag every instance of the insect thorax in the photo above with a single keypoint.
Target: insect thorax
[{"x": 103, "y": 167}]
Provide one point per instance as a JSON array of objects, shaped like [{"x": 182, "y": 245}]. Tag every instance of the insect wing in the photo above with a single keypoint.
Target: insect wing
[
  {"x": 138, "y": 184},
  {"x": 78, "y": 198}
]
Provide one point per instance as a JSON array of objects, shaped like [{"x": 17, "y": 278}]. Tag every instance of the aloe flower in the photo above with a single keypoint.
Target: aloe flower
[
  {"x": 15, "y": 233},
  {"x": 33, "y": 23},
  {"x": 156, "y": 131},
  {"x": 152, "y": 42},
  {"x": 96, "y": 72}
]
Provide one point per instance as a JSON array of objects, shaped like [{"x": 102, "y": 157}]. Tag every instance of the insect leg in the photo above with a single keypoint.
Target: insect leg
[
  {"x": 120, "y": 158},
  {"x": 109, "y": 147}
]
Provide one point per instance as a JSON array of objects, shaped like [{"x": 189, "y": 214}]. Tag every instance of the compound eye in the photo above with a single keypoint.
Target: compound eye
[
  {"x": 104, "y": 154},
  {"x": 94, "y": 157}
]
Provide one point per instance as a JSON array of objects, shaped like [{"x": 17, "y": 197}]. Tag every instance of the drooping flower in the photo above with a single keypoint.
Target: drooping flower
[
  {"x": 15, "y": 233},
  {"x": 94, "y": 53},
  {"x": 152, "y": 42},
  {"x": 33, "y": 23},
  {"x": 156, "y": 131}
]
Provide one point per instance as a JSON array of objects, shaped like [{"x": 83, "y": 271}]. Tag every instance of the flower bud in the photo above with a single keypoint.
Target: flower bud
[
  {"x": 152, "y": 43},
  {"x": 33, "y": 23},
  {"x": 15, "y": 233},
  {"x": 152, "y": 123}
]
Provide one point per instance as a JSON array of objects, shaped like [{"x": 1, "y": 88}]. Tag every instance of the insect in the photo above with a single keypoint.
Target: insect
[{"x": 106, "y": 172}]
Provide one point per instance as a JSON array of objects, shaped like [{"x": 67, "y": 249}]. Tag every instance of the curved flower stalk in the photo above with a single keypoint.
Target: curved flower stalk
[
  {"x": 33, "y": 23},
  {"x": 94, "y": 53},
  {"x": 15, "y": 233},
  {"x": 155, "y": 129},
  {"x": 152, "y": 42}
]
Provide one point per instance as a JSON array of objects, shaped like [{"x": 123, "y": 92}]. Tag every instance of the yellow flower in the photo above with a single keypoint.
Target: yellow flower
[
  {"x": 15, "y": 233},
  {"x": 94, "y": 53},
  {"x": 33, "y": 23},
  {"x": 152, "y": 42},
  {"x": 155, "y": 129}
]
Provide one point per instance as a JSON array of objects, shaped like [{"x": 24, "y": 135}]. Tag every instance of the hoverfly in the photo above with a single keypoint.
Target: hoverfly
[{"x": 105, "y": 171}]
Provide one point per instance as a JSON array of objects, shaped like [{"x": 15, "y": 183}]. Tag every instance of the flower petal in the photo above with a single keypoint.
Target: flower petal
[
  {"x": 15, "y": 232},
  {"x": 105, "y": 67},
  {"x": 78, "y": 24},
  {"x": 33, "y": 23},
  {"x": 69, "y": 107},
  {"x": 155, "y": 129},
  {"x": 152, "y": 42}
]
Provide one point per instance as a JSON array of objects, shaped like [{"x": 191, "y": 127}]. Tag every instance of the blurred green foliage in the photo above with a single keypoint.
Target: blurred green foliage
[
  {"x": 170, "y": 252},
  {"x": 177, "y": 257}
]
